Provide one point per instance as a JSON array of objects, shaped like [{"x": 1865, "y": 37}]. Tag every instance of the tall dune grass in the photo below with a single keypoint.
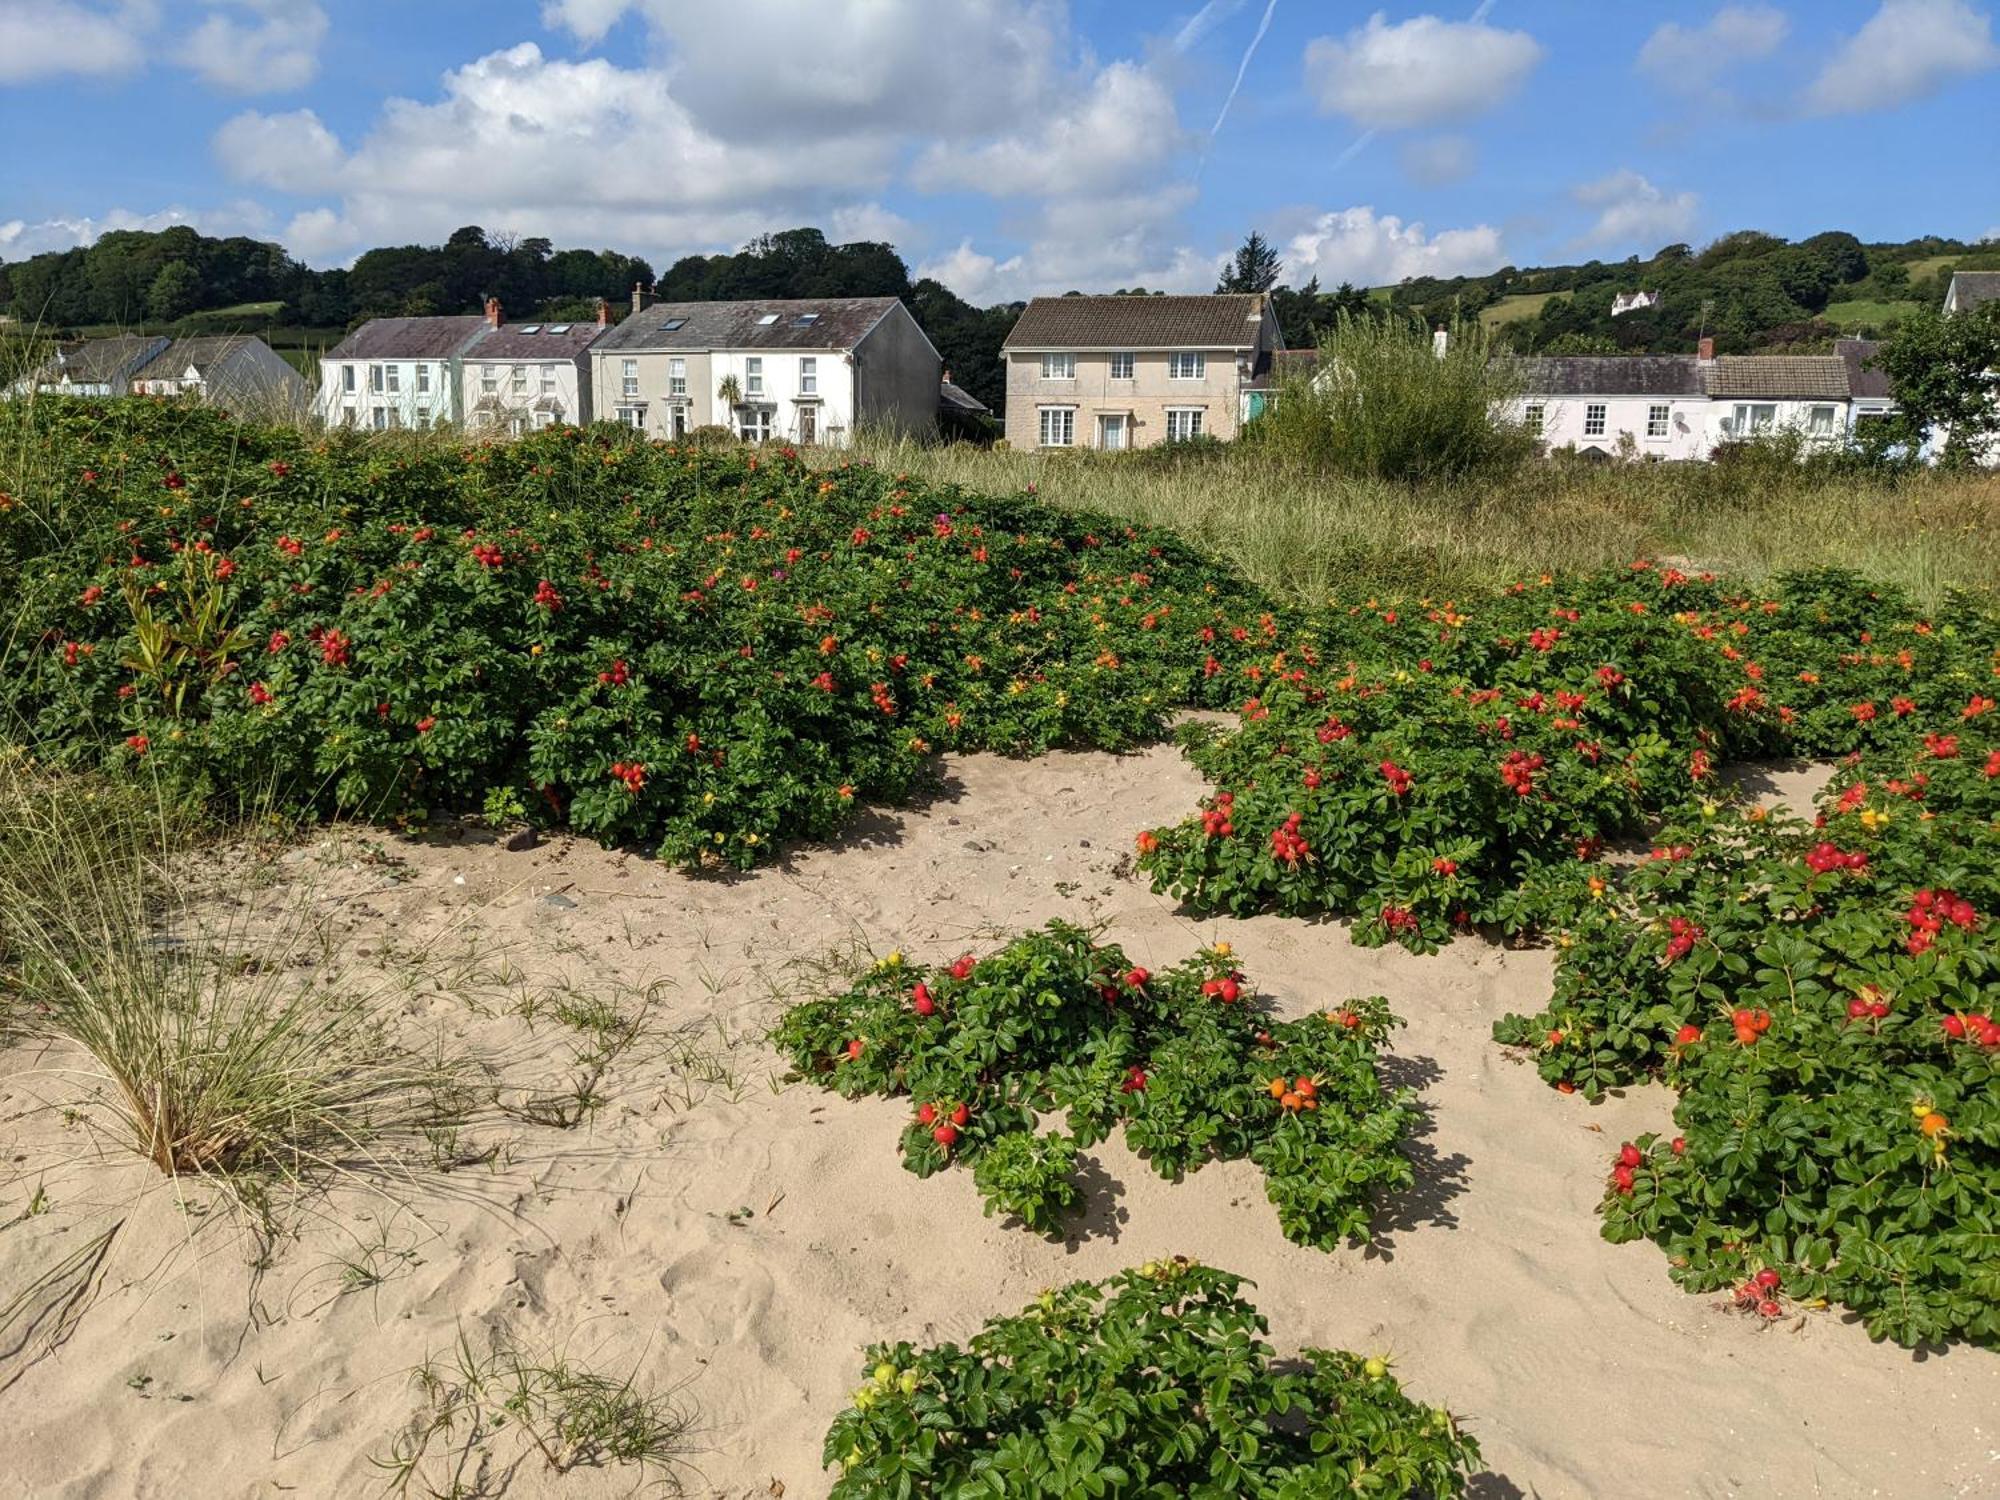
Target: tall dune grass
[{"x": 1308, "y": 534}]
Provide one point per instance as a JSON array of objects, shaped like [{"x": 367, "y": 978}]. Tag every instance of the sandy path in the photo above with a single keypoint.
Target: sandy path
[{"x": 1580, "y": 1367}]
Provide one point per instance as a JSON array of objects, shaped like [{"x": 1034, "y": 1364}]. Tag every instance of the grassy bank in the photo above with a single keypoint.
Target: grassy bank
[{"x": 1304, "y": 535}]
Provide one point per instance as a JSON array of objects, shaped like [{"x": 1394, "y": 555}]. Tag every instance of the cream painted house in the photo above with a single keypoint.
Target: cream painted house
[
  {"x": 520, "y": 377},
  {"x": 796, "y": 371},
  {"x": 1132, "y": 371}
]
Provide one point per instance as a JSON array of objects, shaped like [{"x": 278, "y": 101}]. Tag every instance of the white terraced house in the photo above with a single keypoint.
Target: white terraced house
[
  {"x": 392, "y": 373},
  {"x": 523, "y": 376},
  {"x": 795, "y": 371}
]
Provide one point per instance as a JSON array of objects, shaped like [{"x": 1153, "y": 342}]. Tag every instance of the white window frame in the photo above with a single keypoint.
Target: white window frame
[
  {"x": 378, "y": 418},
  {"x": 1185, "y": 423},
  {"x": 517, "y": 380},
  {"x": 753, "y": 423},
  {"x": 1657, "y": 418},
  {"x": 1814, "y": 415},
  {"x": 1596, "y": 416},
  {"x": 347, "y": 379},
  {"x": 423, "y": 379},
  {"x": 375, "y": 378},
  {"x": 1753, "y": 418},
  {"x": 1122, "y": 365},
  {"x": 633, "y": 416},
  {"x": 677, "y": 377},
  {"x": 395, "y": 379},
  {"x": 1187, "y": 364},
  {"x": 1110, "y": 421},
  {"x": 1058, "y": 367},
  {"x": 628, "y": 378},
  {"x": 489, "y": 380},
  {"x": 753, "y": 375},
  {"x": 1056, "y": 426},
  {"x": 548, "y": 380},
  {"x": 808, "y": 375},
  {"x": 1535, "y": 418}
]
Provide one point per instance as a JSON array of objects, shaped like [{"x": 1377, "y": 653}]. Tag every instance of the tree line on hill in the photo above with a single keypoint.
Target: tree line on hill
[{"x": 1750, "y": 291}]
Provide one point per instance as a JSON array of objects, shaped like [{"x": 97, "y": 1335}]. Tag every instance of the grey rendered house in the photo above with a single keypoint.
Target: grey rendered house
[
  {"x": 798, "y": 371},
  {"x": 1132, "y": 371},
  {"x": 237, "y": 371}
]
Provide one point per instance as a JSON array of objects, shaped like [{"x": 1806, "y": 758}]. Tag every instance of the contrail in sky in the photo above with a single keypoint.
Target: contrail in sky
[
  {"x": 1241, "y": 68},
  {"x": 1204, "y": 21}
]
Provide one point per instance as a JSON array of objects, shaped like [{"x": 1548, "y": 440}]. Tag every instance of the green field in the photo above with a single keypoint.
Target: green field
[
  {"x": 1517, "y": 308},
  {"x": 1867, "y": 314}
]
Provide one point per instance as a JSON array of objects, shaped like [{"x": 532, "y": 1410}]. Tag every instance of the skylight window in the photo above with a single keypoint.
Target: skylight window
[
  {"x": 767, "y": 320},
  {"x": 673, "y": 325},
  {"x": 806, "y": 320},
  {"x": 531, "y": 328},
  {"x": 559, "y": 328}
]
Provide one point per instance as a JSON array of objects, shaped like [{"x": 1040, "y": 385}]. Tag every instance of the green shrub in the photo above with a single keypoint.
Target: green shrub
[
  {"x": 1158, "y": 1381},
  {"x": 1183, "y": 1059}
]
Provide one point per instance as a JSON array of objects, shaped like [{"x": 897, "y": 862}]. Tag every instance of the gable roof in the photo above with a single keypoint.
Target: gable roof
[
  {"x": 96, "y": 361},
  {"x": 794, "y": 323},
  {"x": 203, "y": 353},
  {"x": 959, "y": 398},
  {"x": 1226, "y": 320},
  {"x": 1779, "y": 376},
  {"x": 1970, "y": 288},
  {"x": 407, "y": 338},
  {"x": 1611, "y": 375},
  {"x": 512, "y": 341},
  {"x": 1862, "y": 382}
]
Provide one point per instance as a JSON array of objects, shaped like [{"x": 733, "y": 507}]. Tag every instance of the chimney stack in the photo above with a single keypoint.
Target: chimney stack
[
  {"x": 1440, "y": 341},
  {"x": 1705, "y": 351},
  {"x": 642, "y": 296},
  {"x": 493, "y": 311},
  {"x": 603, "y": 313}
]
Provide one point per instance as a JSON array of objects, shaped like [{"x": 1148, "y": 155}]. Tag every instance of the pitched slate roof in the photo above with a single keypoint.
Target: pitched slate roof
[
  {"x": 1228, "y": 320},
  {"x": 1799, "y": 377},
  {"x": 1863, "y": 382},
  {"x": 1611, "y": 375},
  {"x": 407, "y": 338},
  {"x": 959, "y": 398},
  {"x": 799, "y": 323},
  {"x": 513, "y": 342},
  {"x": 204, "y": 353},
  {"x": 96, "y": 361},
  {"x": 1975, "y": 287}
]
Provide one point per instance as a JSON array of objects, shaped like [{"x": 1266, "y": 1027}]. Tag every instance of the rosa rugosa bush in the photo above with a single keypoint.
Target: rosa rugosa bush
[
  {"x": 1158, "y": 1381},
  {"x": 1182, "y": 1058}
]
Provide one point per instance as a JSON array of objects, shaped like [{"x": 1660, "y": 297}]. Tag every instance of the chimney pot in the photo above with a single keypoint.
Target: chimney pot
[
  {"x": 1706, "y": 350},
  {"x": 493, "y": 311}
]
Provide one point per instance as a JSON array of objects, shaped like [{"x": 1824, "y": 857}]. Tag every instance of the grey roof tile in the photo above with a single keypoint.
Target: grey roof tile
[
  {"x": 1229, "y": 320},
  {"x": 795, "y": 323}
]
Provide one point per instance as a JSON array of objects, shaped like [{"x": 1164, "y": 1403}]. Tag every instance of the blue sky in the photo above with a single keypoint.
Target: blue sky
[{"x": 1009, "y": 148}]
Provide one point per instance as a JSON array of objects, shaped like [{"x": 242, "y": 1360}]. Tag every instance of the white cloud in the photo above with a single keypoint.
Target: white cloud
[
  {"x": 1123, "y": 124},
  {"x": 1631, "y": 211},
  {"x": 1358, "y": 245},
  {"x": 20, "y": 239},
  {"x": 1440, "y": 159},
  {"x": 1419, "y": 72},
  {"x": 977, "y": 277},
  {"x": 1907, "y": 50},
  {"x": 54, "y": 38},
  {"x": 293, "y": 152},
  {"x": 257, "y": 46},
  {"x": 1086, "y": 244},
  {"x": 1689, "y": 59}
]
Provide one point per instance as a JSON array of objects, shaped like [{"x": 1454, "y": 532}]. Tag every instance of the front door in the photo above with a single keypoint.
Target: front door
[
  {"x": 808, "y": 424},
  {"x": 1111, "y": 433}
]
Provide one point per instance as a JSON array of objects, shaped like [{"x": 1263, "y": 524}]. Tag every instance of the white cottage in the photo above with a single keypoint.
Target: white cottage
[
  {"x": 396, "y": 372},
  {"x": 796, "y": 371},
  {"x": 236, "y": 371},
  {"x": 95, "y": 367},
  {"x": 523, "y": 376}
]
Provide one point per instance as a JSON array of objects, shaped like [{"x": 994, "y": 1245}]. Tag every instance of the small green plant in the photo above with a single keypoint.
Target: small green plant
[
  {"x": 473, "y": 1404},
  {"x": 1184, "y": 1060},
  {"x": 502, "y": 806},
  {"x": 1156, "y": 1382},
  {"x": 1029, "y": 1176}
]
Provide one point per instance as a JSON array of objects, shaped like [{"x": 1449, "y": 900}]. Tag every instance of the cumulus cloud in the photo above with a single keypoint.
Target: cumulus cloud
[
  {"x": 1370, "y": 249},
  {"x": 1632, "y": 211},
  {"x": 1422, "y": 71},
  {"x": 976, "y": 276},
  {"x": 1124, "y": 123},
  {"x": 1689, "y": 59},
  {"x": 1907, "y": 50},
  {"x": 1438, "y": 160},
  {"x": 257, "y": 46},
  {"x": 57, "y": 38},
  {"x": 293, "y": 152},
  {"x": 20, "y": 238}
]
